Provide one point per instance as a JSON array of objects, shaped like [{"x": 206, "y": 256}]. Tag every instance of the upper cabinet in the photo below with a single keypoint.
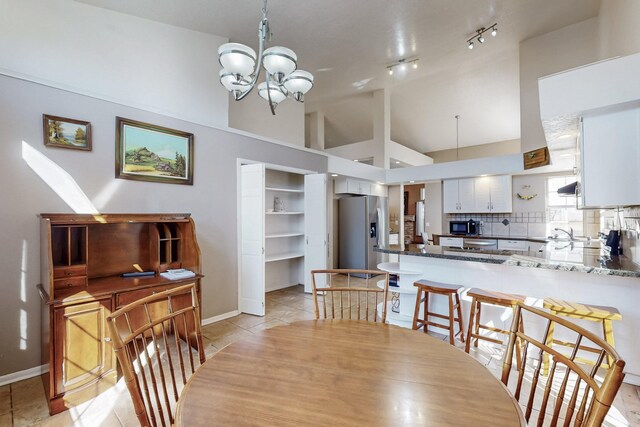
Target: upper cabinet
[
  {"x": 459, "y": 195},
  {"x": 609, "y": 159},
  {"x": 355, "y": 186},
  {"x": 477, "y": 195},
  {"x": 493, "y": 194}
]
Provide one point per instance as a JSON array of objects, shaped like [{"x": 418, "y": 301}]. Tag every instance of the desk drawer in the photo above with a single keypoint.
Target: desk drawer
[
  {"x": 124, "y": 298},
  {"x": 70, "y": 282},
  {"x": 69, "y": 271}
]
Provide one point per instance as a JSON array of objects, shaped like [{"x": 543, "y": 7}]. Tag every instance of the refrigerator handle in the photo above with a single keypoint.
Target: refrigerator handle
[{"x": 380, "y": 228}]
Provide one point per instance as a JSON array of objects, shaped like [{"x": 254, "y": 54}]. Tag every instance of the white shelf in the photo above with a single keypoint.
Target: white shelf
[
  {"x": 394, "y": 268},
  {"x": 284, "y": 190},
  {"x": 284, "y": 213},
  {"x": 277, "y": 235},
  {"x": 280, "y": 257}
]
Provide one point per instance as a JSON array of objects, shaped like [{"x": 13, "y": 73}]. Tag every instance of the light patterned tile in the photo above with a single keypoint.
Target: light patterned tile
[
  {"x": 28, "y": 402},
  {"x": 6, "y": 420},
  {"x": 246, "y": 321},
  {"x": 5, "y": 399}
]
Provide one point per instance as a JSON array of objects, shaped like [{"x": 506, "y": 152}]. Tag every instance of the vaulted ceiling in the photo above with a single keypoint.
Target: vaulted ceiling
[{"x": 347, "y": 45}]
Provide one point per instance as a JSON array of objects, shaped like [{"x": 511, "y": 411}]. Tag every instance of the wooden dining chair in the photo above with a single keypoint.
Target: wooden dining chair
[
  {"x": 350, "y": 294},
  {"x": 582, "y": 393},
  {"x": 158, "y": 343}
]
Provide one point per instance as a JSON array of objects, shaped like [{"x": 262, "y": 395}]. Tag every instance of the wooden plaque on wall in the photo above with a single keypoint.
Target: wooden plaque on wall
[{"x": 536, "y": 158}]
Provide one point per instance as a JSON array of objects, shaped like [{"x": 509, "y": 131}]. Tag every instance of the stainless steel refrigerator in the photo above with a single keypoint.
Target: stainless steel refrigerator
[{"x": 362, "y": 225}]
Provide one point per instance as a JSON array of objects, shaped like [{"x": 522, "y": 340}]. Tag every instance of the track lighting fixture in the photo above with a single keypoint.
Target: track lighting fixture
[
  {"x": 401, "y": 64},
  {"x": 479, "y": 35}
]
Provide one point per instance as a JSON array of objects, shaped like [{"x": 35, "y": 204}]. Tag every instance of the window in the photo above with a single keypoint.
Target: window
[{"x": 561, "y": 210}]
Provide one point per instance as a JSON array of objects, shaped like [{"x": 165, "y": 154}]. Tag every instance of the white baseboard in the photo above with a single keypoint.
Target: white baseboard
[
  {"x": 23, "y": 375},
  {"x": 632, "y": 379},
  {"x": 219, "y": 317}
]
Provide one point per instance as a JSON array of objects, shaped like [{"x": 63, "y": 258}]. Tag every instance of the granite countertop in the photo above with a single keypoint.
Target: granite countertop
[
  {"x": 562, "y": 256},
  {"x": 488, "y": 236}
]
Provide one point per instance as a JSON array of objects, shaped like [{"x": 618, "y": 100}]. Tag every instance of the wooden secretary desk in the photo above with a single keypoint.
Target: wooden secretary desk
[{"x": 82, "y": 259}]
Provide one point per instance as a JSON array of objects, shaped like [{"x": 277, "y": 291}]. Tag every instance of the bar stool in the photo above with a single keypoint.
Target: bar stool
[
  {"x": 427, "y": 287},
  {"x": 595, "y": 313},
  {"x": 483, "y": 296}
]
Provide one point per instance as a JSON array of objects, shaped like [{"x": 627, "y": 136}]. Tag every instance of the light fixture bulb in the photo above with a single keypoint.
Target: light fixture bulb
[
  {"x": 481, "y": 39},
  {"x": 494, "y": 32},
  {"x": 298, "y": 83},
  {"x": 397, "y": 162},
  {"x": 415, "y": 65},
  {"x": 356, "y": 160},
  {"x": 277, "y": 94},
  {"x": 403, "y": 67},
  {"x": 391, "y": 71},
  {"x": 334, "y": 175},
  {"x": 470, "y": 45},
  {"x": 237, "y": 58},
  {"x": 280, "y": 62}
]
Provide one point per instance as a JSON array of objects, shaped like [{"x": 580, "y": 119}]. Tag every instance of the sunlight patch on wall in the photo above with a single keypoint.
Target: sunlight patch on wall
[
  {"x": 106, "y": 193},
  {"x": 58, "y": 179}
]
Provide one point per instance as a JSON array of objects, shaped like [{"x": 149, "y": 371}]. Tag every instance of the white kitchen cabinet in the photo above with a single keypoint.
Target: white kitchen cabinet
[
  {"x": 610, "y": 155},
  {"x": 455, "y": 242},
  {"x": 477, "y": 195},
  {"x": 459, "y": 195},
  {"x": 513, "y": 245},
  {"x": 355, "y": 186},
  {"x": 493, "y": 194},
  {"x": 450, "y": 196},
  {"x": 466, "y": 194}
]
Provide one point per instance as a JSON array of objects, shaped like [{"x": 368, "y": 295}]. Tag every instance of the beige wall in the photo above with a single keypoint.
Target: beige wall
[
  {"x": 476, "y": 151},
  {"x": 559, "y": 50},
  {"x": 252, "y": 114},
  {"x": 211, "y": 200},
  {"x": 619, "y": 27}
]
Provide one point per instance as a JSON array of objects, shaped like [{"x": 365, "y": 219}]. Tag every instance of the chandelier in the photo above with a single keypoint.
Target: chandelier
[{"x": 241, "y": 70}]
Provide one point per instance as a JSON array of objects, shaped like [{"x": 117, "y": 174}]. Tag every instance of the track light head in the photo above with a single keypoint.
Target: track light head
[
  {"x": 470, "y": 45},
  {"x": 481, "y": 39},
  {"x": 415, "y": 65},
  {"x": 494, "y": 31},
  {"x": 391, "y": 71}
]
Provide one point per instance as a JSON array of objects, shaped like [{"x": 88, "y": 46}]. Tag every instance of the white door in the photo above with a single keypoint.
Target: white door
[
  {"x": 482, "y": 189},
  {"x": 252, "y": 272},
  {"x": 450, "y": 195},
  {"x": 501, "y": 194},
  {"x": 466, "y": 195},
  {"x": 315, "y": 227}
]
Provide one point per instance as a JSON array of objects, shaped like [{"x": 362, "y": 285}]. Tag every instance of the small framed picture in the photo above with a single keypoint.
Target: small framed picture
[
  {"x": 66, "y": 133},
  {"x": 147, "y": 152}
]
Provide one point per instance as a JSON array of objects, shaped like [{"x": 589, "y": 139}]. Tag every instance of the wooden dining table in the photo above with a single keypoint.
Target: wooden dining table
[{"x": 340, "y": 372}]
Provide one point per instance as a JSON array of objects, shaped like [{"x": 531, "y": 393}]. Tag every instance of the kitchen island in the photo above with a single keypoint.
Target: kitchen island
[{"x": 579, "y": 273}]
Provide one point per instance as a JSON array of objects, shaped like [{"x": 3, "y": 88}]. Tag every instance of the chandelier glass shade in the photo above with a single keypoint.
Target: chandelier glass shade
[{"x": 241, "y": 69}]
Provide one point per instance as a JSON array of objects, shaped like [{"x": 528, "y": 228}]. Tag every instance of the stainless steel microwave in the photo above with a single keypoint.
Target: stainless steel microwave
[{"x": 463, "y": 227}]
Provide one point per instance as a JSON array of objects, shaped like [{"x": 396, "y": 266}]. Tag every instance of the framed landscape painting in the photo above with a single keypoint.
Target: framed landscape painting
[
  {"x": 147, "y": 152},
  {"x": 66, "y": 133}
]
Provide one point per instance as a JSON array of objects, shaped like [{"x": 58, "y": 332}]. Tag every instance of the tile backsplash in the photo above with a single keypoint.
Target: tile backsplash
[
  {"x": 517, "y": 217},
  {"x": 518, "y": 224}
]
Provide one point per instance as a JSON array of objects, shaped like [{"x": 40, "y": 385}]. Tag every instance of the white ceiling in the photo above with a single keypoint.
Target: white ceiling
[{"x": 347, "y": 45}]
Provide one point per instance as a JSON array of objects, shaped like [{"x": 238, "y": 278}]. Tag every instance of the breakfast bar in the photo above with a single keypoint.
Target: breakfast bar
[{"x": 572, "y": 273}]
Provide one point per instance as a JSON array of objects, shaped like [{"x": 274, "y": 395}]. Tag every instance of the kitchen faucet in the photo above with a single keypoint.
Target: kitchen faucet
[{"x": 568, "y": 233}]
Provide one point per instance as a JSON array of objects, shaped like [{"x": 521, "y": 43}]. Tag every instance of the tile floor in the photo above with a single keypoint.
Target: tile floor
[{"x": 23, "y": 403}]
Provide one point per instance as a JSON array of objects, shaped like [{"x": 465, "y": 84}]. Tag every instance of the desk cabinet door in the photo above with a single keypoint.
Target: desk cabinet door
[{"x": 83, "y": 351}]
